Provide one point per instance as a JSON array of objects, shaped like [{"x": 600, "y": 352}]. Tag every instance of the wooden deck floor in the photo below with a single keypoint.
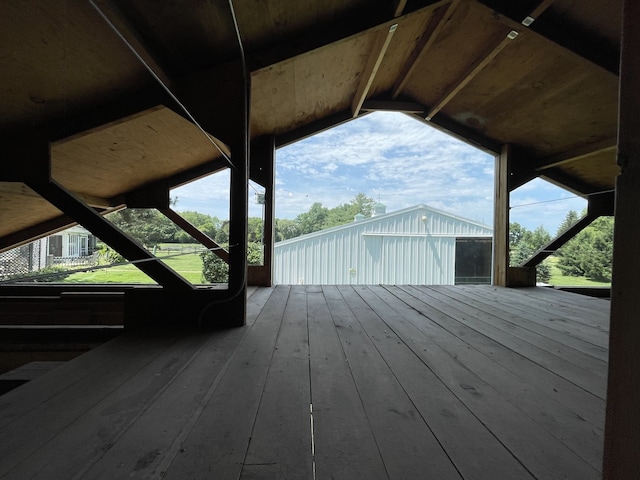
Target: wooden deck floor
[{"x": 334, "y": 382}]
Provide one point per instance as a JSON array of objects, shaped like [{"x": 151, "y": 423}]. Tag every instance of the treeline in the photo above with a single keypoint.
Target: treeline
[
  {"x": 151, "y": 228},
  {"x": 588, "y": 254}
]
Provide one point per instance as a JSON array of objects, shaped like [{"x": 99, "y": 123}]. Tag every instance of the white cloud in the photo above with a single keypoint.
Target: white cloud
[{"x": 395, "y": 158}]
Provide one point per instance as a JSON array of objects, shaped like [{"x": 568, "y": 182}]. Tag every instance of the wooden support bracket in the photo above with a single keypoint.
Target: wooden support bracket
[
  {"x": 198, "y": 235},
  {"x": 108, "y": 233}
]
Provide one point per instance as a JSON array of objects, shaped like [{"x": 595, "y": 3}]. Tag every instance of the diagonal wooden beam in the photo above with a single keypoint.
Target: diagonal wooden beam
[
  {"x": 65, "y": 201},
  {"x": 123, "y": 28},
  {"x": 477, "y": 67},
  {"x": 570, "y": 37},
  {"x": 553, "y": 246},
  {"x": 373, "y": 64},
  {"x": 536, "y": 12},
  {"x": 601, "y": 204},
  {"x": 608, "y": 145},
  {"x": 399, "y": 7},
  {"x": 392, "y": 106},
  {"x": 438, "y": 20},
  {"x": 197, "y": 234},
  {"x": 338, "y": 30},
  {"x": 568, "y": 182}
]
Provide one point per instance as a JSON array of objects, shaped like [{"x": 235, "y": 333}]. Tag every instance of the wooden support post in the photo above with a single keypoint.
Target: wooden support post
[
  {"x": 231, "y": 311},
  {"x": 501, "y": 218},
  {"x": 262, "y": 171},
  {"x": 622, "y": 429}
]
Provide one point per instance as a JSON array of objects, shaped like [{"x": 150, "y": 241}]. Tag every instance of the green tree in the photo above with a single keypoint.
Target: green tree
[
  {"x": 285, "y": 229},
  {"x": 254, "y": 230},
  {"x": 319, "y": 217},
  {"x": 146, "y": 225},
  {"x": 589, "y": 253},
  {"x": 312, "y": 220},
  {"x": 216, "y": 270},
  {"x": 571, "y": 218},
  {"x": 523, "y": 243}
]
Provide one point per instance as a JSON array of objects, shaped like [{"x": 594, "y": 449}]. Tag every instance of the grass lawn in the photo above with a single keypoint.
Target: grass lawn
[
  {"x": 181, "y": 258},
  {"x": 558, "y": 279}
]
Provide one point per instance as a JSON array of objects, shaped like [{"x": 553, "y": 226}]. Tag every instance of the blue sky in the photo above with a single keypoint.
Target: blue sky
[{"x": 393, "y": 158}]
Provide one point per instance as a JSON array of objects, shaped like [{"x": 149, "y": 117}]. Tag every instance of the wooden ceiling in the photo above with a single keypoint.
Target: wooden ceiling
[{"x": 470, "y": 67}]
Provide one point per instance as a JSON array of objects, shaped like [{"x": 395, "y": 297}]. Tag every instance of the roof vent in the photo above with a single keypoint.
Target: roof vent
[
  {"x": 379, "y": 209},
  {"x": 357, "y": 217}
]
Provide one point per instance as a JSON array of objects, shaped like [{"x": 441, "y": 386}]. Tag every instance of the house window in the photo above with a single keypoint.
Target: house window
[
  {"x": 55, "y": 245},
  {"x": 75, "y": 245}
]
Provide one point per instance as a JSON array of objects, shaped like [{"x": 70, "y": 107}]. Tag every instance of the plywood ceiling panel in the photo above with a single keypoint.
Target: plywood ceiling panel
[
  {"x": 471, "y": 34},
  {"x": 539, "y": 97},
  {"x": 59, "y": 58},
  {"x": 21, "y": 207},
  {"x": 109, "y": 161},
  {"x": 308, "y": 87}
]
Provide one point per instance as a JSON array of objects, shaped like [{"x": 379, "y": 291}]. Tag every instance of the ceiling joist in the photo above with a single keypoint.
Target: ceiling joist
[
  {"x": 399, "y": 7},
  {"x": 121, "y": 26},
  {"x": 323, "y": 36},
  {"x": 473, "y": 71},
  {"x": 605, "y": 146},
  {"x": 392, "y": 106},
  {"x": 373, "y": 64},
  {"x": 580, "y": 43},
  {"x": 439, "y": 18},
  {"x": 536, "y": 12}
]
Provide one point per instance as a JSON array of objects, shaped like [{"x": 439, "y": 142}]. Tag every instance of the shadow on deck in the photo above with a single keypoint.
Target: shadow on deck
[{"x": 344, "y": 382}]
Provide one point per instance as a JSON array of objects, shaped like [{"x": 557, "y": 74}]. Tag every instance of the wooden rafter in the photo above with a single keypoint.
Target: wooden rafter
[
  {"x": 462, "y": 133},
  {"x": 605, "y": 146},
  {"x": 373, "y": 64},
  {"x": 128, "y": 34},
  {"x": 473, "y": 71},
  {"x": 439, "y": 18},
  {"x": 392, "y": 106},
  {"x": 580, "y": 43},
  {"x": 568, "y": 182},
  {"x": 399, "y": 7},
  {"x": 539, "y": 10},
  {"x": 341, "y": 29}
]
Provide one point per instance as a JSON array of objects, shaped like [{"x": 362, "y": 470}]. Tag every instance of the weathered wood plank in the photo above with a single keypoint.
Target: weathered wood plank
[
  {"x": 569, "y": 303},
  {"x": 42, "y": 427},
  {"x": 405, "y": 441},
  {"x": 583, "y": 403},
  {"x": 578, "y": 368},
  {"x": 126, "y": 430},
  {"x": 218, "y": 440},
  {"x": 123, "y": 350},
  {"x": 281, "y": 438},
  {"x": 587, "y": 317},
  {"x": 542, "y": 453},
  {"x": 542, "y": 322},
  {"x": 474, "y": 450},
  {"x": 338, "y": 413}
]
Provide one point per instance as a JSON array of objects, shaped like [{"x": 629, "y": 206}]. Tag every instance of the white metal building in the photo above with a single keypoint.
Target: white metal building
[{"x": 416, "y": 245}]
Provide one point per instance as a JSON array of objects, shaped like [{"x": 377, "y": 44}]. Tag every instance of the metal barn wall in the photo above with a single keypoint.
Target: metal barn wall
[{"x": 411, "y": 246}]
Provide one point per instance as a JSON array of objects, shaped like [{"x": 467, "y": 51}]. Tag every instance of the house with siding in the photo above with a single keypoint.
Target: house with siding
[{"x": 419, "y": 245}]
